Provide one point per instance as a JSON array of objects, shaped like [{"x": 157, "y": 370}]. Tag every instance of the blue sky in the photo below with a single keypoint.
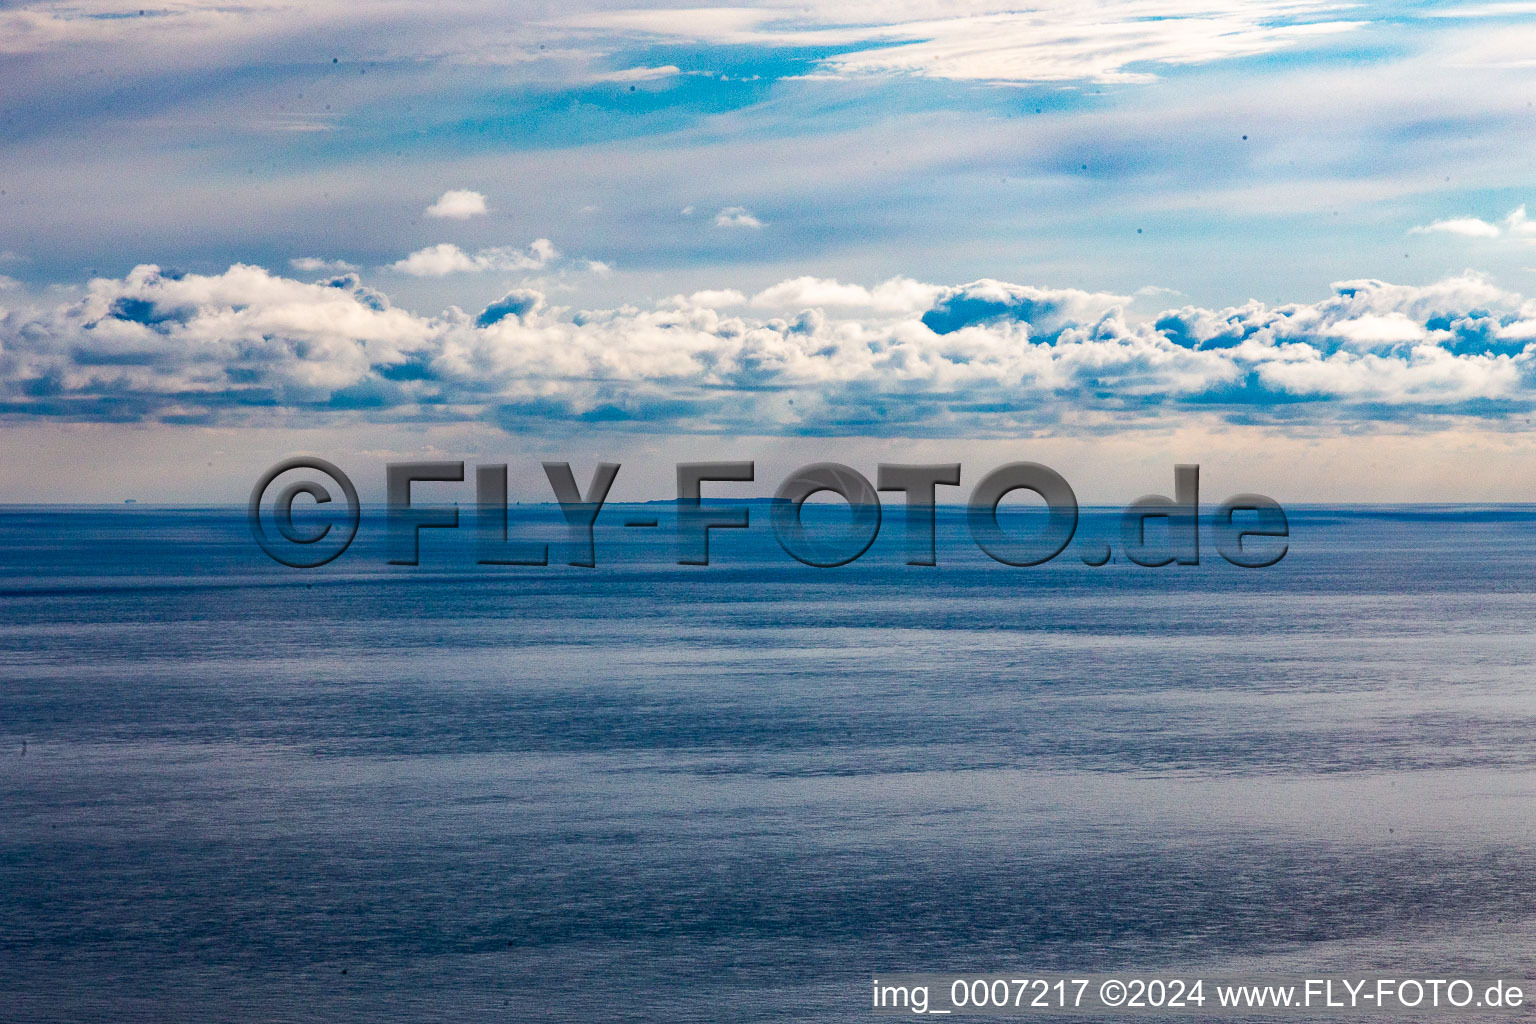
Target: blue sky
[{"x": 616, "y": 224}]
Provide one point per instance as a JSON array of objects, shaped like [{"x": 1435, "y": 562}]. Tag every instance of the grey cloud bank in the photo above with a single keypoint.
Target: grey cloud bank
[{"x": 983, "y": 359}]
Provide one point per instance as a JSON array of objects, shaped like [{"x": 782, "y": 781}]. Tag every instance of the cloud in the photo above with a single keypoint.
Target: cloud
[
  {"x": 1494, "y": 10},
  {"x": 458, "y": 204},
  {"x": 716, "y": 298},
  {"x": 316, "y": 265},
  {"x": 446, "y": 258},
  {"x": 190, "y": 346},
  {"x": 898, "y": 295},
  {"x": 640, "y": 74},
  {"x": 984, "y": 359},
  {"x": 1516, "y": 225},
  {"x": 1375, "y": 329},
  {"x": 437, "y": 261},
  {"x": 1047, "y": 311},
  {"x": 991, "y": 40},
  {"x": 836, "y": 154},
  {"x": 517, "y": 303},
  {"x": 1470, "y": 227},
  {"x": 1046, "y": 40},
  {"x": 736, "y": 217}
]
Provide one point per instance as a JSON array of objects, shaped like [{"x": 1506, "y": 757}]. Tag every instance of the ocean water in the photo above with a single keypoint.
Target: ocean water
[{"x": 235, "y": 791}]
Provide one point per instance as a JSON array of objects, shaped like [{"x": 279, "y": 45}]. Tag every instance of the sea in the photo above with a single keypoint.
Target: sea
[{"x": 231, "y": 790}]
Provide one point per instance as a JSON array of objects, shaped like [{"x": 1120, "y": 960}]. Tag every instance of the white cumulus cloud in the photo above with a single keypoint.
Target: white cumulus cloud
[
  {"x": 1516, "y": 225},
  {"x": 736, "y": 217},
  {"x": 898, "y": 295},
  {"x": 458, "y": 204},
  {"x": 1470, "y": 227},
  {"x": 446, "y": 258},
  {"x": 985, "y": 359}
]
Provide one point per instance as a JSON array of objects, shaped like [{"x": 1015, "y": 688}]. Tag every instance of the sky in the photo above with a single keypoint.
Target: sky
[{"x": 1287, "y": 240}]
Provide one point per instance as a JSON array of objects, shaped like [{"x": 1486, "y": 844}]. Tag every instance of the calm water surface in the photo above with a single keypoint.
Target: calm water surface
[{"x": 657, "y": 792}]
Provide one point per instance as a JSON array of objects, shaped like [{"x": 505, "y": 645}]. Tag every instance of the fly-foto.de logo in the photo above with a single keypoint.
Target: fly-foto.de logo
[{"x": 1248, "y": 530}]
